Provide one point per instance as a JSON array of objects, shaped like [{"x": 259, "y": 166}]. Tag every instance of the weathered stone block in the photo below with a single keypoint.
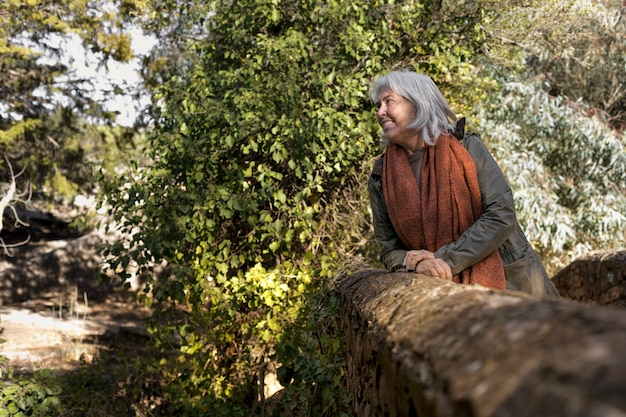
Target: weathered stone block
[{"x": 597, "y": 278}]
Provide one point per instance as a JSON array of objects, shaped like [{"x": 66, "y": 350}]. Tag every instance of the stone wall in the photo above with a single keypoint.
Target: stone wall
[
  {"x": 420, "y": 346},
  {"x": 597, "y": 278}
]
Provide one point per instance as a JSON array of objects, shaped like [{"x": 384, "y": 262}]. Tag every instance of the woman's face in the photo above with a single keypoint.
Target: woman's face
[{"x": 395, "y": 113}]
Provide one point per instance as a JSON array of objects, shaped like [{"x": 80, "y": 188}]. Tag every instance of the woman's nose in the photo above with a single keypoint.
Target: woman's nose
[{"x": 382, "y": 111}]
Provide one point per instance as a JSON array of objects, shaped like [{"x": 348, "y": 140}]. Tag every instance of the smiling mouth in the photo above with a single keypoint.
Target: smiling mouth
[{"x": 386, "y": 124}]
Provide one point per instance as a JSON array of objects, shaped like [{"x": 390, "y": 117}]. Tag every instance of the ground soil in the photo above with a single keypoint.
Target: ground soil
[{"x": 53, "y": 310}]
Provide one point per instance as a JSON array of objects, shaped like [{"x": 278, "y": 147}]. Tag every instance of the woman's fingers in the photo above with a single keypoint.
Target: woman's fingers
[
  {"x": 434, "y": 267},
  {"x": 413, "y": 257}
]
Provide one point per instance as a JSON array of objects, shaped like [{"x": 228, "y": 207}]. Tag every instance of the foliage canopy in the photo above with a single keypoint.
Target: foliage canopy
[{"x": 43, "y": 101}]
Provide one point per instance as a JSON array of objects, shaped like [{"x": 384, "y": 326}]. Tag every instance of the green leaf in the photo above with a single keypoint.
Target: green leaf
[{"x": 274, "y": 246}]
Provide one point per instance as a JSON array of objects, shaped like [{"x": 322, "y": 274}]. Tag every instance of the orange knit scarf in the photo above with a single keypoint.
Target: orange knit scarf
[{"x": 447, "y": 204}]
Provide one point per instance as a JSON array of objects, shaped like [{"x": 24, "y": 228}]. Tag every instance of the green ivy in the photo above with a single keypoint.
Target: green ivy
[{"x": 34, "y": 396}]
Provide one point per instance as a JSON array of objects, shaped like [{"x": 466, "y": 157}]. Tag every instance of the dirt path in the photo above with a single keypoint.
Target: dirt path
[{"x": 54, "y": 334}]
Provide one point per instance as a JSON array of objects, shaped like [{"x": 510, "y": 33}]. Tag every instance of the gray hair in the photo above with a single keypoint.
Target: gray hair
[{"x": 433, "y": 116}]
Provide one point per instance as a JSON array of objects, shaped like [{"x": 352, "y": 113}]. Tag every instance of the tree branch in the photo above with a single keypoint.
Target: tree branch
[{"x": 8, "y": 201}]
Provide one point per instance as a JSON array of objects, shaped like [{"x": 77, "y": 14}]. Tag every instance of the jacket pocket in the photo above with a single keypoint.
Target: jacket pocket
[{"x": 526, "y": 274}]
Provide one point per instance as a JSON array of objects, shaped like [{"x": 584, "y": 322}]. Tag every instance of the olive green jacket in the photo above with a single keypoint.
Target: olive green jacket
[{"x": 497, "y": 228}]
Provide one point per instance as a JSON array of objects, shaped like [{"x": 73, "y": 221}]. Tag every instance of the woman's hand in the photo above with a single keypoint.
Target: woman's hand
[
  {"x": 414, "y": 257},
  {"x": 434, "y": 267}
]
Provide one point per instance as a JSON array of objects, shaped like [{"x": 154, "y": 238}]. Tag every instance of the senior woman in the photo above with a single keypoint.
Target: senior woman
[{"x": 440, "y": 203}]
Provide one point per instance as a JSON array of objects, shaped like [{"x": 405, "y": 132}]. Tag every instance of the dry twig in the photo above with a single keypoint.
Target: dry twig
[{"x": 8, "y": 201}]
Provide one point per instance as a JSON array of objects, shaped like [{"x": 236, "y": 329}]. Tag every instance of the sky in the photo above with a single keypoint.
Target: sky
[{"x": 85, "y": 65}]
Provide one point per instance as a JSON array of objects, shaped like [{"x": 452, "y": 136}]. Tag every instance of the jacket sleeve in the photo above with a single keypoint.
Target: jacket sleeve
[
  {"x": 392, "y": 251},
  {"x": 498, "y": 220}
]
